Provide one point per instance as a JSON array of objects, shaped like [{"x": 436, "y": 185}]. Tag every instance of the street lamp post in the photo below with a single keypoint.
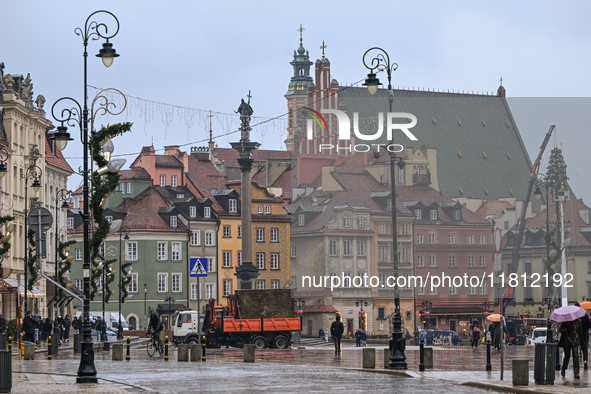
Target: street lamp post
[
  {"x": 170, "y": 300},
  {"x": 381, "y": 62},
  {"x": 35, "y": 173},
  {"x": 145, "y": 303},
  {"x": 119, "y": 326},
  {"x": 61, "y": 195},
  {"x": 92, "y": 29}
]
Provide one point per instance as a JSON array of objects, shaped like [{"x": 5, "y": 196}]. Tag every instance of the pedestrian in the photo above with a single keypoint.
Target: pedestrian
[
  {"x": 29, "y": 327},
  {"x": 46, "y": 330},
  {"x": 321, "y": 333},
  {"x": 422, "y": 338},
  {"x": 570, "y": 339},
  {"x": 36, "y": 329},
  {"x": 99, "y": 326},
  {"x": 336, "y": 331},
  {"x": 416, "y": 338},
  {"x": 364, "y": 339},
  {"x": 475, "y": 328},
  {"x": 585, "y": 325},
  {"x": 357, "y": 338},
  {"x": 67, "y": 325},
  {"x": 60, "y": 328},
  {"x": 75, "y": 325},
  {"x": 326, "y": 335}
]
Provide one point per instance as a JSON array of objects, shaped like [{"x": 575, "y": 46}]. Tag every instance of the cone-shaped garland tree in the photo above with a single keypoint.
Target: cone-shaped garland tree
[
  {"x": 556, "y": 174},
  {"x": 4, "y": 241},
  {"x": 102, "y": 186}
]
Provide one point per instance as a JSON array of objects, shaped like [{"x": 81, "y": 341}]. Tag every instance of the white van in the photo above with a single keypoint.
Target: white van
[{"x": 538, "y": 335}]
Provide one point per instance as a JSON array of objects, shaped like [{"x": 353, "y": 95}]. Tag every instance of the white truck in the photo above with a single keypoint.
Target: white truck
[
  {"x": 185, "y": 328},
  {"x": 112, "y": 319}
]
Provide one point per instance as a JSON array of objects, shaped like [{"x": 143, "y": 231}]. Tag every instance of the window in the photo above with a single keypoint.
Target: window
[
  {"x": 432, "y": 238},
  {"x": 78, "y": 254},
  {"x": 382, "y": 281},
  {"x": 131, "y": 251},
  {"x": 261, "y": 261},
  {"x": 226, "y": 231},
  {"x": 483, "y": 287},
  {"x": 420, "y": 238},
  {"x": 360, "y": 248},
  {"x": 260, "y": 284},
  {"x": 406, "y": 254},
  {"x": 121, "y": 188},
  {"x": 433, "y": 214},
  {"x": 274, "y": 284},
  {"x": 400, "y": 175},
  {"x": 162, "y": 281},
  {"x": 207, "y": 212},
  {"x": 293, "y": 251},
  {"x": 482, "y": 261},
  {"x": 176, "y": 251},
  {"x": 482, "y": 239},
  {"x": 452, "y": 260},
  {"x": 432, "y": 260},
  {"x": 161, "y": 247},
  {"x": 301, "y": 220},
  {"x": 457, "y": 215},
  {"x": 227, "y": 259},
  {"x": 227, "y": 287},
  {"x": 239, "y": 231},
  {"x": 360, "y": 223},
  {"x": 80, "y": 284},
  {"x": 418, "y": 214},
  {"x": 382, "y": 254},
  {"x": 260, "y": 235},
  {"x": 332, "y": 246},
  {"x": 346, "y": 221},
  {"x": 195, "y": 238},
  {"x": 162, "y": 180},
  {"x": 128, "y": 187},
  {"x": 451, "y": 238},
  {"x": 471, "y": 290},
  {"x": 347, "y": 248},
  {"x": 268, "y": 209},
  {"x": 210, "y": 264},
  {"x": 433, "y": 290},
  {"x": 173, "y": 179},
  {"x": 239, "y": 257},
  {"x": 194, "y": 293},
  {"x": 209, "y": 291},
  {"x": 347, "y": 279},
  {"x": 389, "y": 205},
  {"x": 260, "y": 209},
  {"x": 382, "y": 228},
  {"x": 209, "y": 238},
  {"x": 470, "y": 261},
  {"x": 506, "y": 224},
  {"x": 421, "y": 290},
  {"x": 109, "y": 219},
  {"x": 176, "y": 283},
  {"x": 406, "y": 282},
  {"x": 274, "y": 235},
  {"x": 588, "y": 267},
  {"x": 173, "y": 221},
  {"x": 405, "y": 229},
  {"x": 233, "y": 204},
  {"x": 471, "y": 239},
  {"x": 420, "y": 261},
  {"x": 452, "y": 289},
  {"x": 70, "y": 223},
  {"x": 192, "y": 211}
]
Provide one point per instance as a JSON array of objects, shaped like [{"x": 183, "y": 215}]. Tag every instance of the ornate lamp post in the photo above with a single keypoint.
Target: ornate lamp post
[
  {"x": 61, "y": 195},
  {"x": 33, "y": 172},
  {"x": 119, "y": 326},
  {"x": 78, "y": 114},
  {"x": 381, "y": 62}
]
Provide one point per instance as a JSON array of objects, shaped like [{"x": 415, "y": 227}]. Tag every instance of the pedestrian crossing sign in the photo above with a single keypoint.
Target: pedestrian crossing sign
[{"x": 198, "y": 267}]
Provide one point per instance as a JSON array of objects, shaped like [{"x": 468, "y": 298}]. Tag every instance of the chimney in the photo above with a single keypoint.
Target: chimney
[{"x": 172, "y": 150}]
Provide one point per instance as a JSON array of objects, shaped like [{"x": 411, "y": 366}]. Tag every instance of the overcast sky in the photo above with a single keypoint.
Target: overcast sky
[{"x": 208, "y": 55}]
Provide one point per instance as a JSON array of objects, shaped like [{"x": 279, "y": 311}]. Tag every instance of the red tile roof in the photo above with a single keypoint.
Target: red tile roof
[
  {"x": 143, "y": 213},
  {"x": 137, "y": 173},
  {"x": 205, "y": 177},
  {"x": 230, "y": 156},
  {"x": 58, "y": 160},
  {"x": 495, "y": 208},
  {"x": 168, "y": 161}
]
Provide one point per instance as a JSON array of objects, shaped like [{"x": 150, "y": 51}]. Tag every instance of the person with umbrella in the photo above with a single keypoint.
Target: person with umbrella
[
  {"x": 571, "y": 333},
  {"x": 586, "y": 325}
]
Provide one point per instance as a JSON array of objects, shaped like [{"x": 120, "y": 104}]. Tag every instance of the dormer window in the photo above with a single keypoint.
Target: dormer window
[
  {"x": 346, "y": 221},
  {"x": 109, "y": 218},
  {"x": 207, "y": 212},
  {"x": 301, "y": 220},
  {"x": 192, "y": 212},
  {"x": 70, "y": 223},
  {"x": 433, "y": 214},
  {"x": 360, "y": 223},
  {"x": 233, "y": 205},
  {"x": 418, "y": 214},
  {"x": 457, "y": 215},
  {"x": 173, "y": 221},
  {"x": 180, "y": 195}
]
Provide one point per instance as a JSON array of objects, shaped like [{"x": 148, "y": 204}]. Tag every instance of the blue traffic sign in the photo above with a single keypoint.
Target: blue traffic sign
[{"x": 198, "y": 266}]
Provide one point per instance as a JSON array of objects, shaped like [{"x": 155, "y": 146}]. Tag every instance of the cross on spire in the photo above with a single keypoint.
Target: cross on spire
[
  {"x": 301, "y": 30},
  {"x": 501, "y": 81},
  {"x": 249, "y": 96},
  {"x": 210, "y": 116},
  {"x": 323, "y": 47}
]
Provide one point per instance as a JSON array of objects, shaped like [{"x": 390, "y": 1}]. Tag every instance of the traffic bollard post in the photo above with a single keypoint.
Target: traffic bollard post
[
  {"x": 49, "y": 356},
  {"x": 10, "y": 344},
  {"x": 422, "y": 356},
  {"x": 166, "y": 348},
  {"x": 127, "y": 356},
  {"x": 203, "y": 348}
]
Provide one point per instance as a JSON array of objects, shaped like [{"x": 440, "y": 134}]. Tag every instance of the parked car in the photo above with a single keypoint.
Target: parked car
[{"x": 443, "y": 335}]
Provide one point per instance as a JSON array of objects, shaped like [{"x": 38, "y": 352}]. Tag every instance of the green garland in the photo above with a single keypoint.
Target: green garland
[
  {"x": 124, "y": 280},
  {"x": 32, "y": 261},
  {"x": 102, "y": 186},
  {"x": 6, "y": 245},
  {"x": 63, "y": 266},
  {"x": 550, "y": 238},
  {"x": 556, "y": 174}
]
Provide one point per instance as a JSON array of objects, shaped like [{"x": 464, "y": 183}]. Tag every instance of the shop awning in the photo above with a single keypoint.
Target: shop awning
[
  {"x": 453, "y": 311},
  {"x": 34, "y": 293}
]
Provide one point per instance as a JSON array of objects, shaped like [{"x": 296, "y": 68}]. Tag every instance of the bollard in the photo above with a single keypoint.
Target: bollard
[
  {"x": 194, "y": 351},
  {"x": 428, "y": 351},
  {"x": 488, "y": 366},
  {"x": 77, "y": 343},
  {"x": 10, "y": 344},
  {"x": 183, "y": 353},
  {"x": 49, "y": 348},
  {"x": 520, "y": 372},
  {"x": 5, "y": 371},
  {"x": 29, "y": 351},
  {"x": 117, "y": 353},
  {"x": 249, "y": 353},
  {"x": 369, "y": 357},
  {"x": 387, "y": 355},
  {"x": 166, "y": 348},
  {"x": 2, "y": 341},
  {"x": 544, "y": 363},
  {"x": 203, "y": 343},
  {"x": 127, "y": 356},
  {"x": 422, "y": 356}
]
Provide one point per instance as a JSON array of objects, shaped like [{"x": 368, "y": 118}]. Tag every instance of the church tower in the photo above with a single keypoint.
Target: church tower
[{"x": 297, "y": 93}]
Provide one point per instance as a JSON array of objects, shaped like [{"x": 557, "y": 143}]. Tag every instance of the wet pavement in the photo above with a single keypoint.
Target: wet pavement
[{"x": 456, "y": 370}]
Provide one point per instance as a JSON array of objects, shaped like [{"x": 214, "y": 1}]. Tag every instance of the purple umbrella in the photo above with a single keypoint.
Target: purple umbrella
[{"x": 567, "y": 313}]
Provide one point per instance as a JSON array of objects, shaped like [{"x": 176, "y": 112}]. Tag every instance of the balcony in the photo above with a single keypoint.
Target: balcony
[{"x": 421, "y": 179}]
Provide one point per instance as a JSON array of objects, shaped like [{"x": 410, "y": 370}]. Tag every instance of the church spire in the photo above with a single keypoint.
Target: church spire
[{"x": 301, "y": 69}]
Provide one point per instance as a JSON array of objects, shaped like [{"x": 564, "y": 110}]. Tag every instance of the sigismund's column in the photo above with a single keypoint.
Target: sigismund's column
[{"x": 247, "y": 272}]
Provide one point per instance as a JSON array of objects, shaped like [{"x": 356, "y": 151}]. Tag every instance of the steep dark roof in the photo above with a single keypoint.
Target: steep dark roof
[{"x": 168, "y": 161}]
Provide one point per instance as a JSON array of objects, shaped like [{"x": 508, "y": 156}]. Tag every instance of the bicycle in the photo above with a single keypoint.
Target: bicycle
[{"x": 153, "y": 345}]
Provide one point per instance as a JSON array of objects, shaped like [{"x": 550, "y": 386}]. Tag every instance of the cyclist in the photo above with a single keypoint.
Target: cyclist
[{"x": 157, "y": 327}]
